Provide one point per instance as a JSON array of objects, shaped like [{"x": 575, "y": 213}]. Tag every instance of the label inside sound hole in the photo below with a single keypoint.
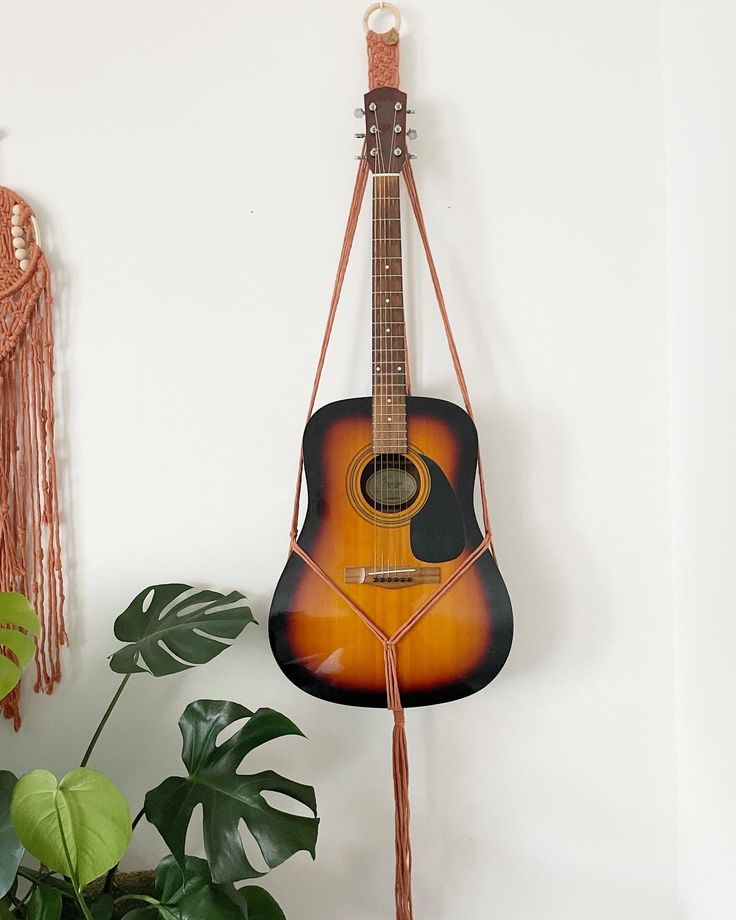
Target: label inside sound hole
[{"x": 390, "y": 482}]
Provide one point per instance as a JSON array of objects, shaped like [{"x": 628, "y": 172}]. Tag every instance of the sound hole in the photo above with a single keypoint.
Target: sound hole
[{"x": 390, "y": 482}]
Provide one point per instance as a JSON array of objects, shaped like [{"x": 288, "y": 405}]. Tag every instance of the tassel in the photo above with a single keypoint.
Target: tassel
[
  {"x": 404, "y": 909},
  {"x": 30, "y": 548}
]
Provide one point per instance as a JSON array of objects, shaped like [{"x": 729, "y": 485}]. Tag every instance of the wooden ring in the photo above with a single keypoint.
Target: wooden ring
[{"x": 394, "y": 10}]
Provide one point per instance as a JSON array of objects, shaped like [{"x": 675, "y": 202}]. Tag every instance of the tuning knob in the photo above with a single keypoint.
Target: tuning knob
[
  {"x": 411, "y": 112},
  {"x": 359, "y": 113},
  {"x": 411, "y": 134},
  {"x": 359, "y": 135}
]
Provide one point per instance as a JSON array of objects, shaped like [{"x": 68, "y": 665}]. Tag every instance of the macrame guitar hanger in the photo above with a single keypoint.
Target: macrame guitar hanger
[
  {"x": 383, "y": 70},
  {"x": 30, "y": 547}
]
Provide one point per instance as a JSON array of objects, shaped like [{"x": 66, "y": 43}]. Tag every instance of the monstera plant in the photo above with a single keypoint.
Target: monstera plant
[{"x": 61, "y": 840}]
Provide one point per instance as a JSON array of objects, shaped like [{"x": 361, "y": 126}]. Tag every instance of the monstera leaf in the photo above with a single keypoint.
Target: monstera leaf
[
  {"x": 172, "y": 627},
  {"x": 259, "y": 904},
  {"x": 79, "y": 827},
  {"x": 189, "y": 893},
  {"x": 11, "y": 849},
  {"x": 16, "y": 614},
  {"x": 227, "y": 797}
]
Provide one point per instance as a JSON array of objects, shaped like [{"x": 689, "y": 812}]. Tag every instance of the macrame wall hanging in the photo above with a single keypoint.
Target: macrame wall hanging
[
  {"x": 358, "y": 617},
  {"x": 30, "y": 550}
]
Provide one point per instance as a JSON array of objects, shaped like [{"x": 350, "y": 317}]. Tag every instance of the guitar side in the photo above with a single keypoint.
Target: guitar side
[{"x": 463, "y": 640}]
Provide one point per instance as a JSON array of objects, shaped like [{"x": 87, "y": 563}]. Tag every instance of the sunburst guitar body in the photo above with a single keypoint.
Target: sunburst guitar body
[{"x": 390, "y": 517}]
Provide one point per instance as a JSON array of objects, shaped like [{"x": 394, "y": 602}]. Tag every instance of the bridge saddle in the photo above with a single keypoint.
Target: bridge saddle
[{"x": 400, "y": 576}]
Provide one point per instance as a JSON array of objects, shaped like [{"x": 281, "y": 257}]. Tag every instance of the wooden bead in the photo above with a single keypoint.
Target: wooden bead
[
  {"x": 21, "y": 254},
  {"x": 16, "y": 209},
  {"x": 19, "y": 243},
  {"x": 25, "y": 263},
  {"x": 15, "y": 220},
  {"x": 17, "y": 231}
]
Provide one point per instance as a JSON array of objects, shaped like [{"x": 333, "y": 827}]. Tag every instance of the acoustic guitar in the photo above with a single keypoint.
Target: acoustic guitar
[{"x": 390, "y": 517}]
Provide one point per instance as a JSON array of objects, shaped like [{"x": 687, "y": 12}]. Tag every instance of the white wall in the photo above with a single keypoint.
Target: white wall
[
  {"x": 191, "y": 165},
  {"x": 701, "y": 152}
]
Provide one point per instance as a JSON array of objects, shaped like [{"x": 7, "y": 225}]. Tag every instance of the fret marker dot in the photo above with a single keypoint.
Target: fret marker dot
[
  {"x": 388, "y": 300},
  {"x": 378, "y": 369},
  {"x": 388, "y": 400},
  {"x": 388, "y": 329},
  {"x": 398, "y": 368},
  {"x": 388, "y": 419},
  {"x": 387, "y": 268}
]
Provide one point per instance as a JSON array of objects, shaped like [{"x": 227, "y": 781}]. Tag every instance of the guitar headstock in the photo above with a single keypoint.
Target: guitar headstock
[{"x": 385, "y": 130}]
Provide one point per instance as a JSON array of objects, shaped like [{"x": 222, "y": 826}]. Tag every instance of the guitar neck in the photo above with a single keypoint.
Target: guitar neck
[{"x": 389, "y": 343}]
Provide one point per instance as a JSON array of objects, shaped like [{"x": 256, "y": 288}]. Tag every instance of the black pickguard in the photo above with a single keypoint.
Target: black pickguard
[{"x": 437, "y": 530}]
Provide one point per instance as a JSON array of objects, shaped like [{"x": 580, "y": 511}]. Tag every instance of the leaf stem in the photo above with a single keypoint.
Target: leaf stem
[
  {"x": 72, "y": 872},
  {"x": 26, "y": 897},
  {"x": 38, "y": 877},
  {"x": 137, "y": 897},
  {"x": 138, "y": 818},
  {"x": 83, "y": 905},
  {"x": 103, "y": 721},
  {"x": 111, "y": 874}
]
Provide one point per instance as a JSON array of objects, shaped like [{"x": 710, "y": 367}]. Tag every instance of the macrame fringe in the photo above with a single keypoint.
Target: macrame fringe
[
  {"x": 30, "y": 547},
  {"x": 400, "y": 759},
  {"x": 404, "y": 910}
]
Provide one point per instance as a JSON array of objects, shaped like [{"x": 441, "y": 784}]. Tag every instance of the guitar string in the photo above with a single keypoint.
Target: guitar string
[
  {"x": 387, "y": 379},
  {"x": 392, "y": 538},
  {"x": 386, "y": 534},
  {"x": 387, "y": 329},
  {"x": 376, "y": 377},
  {"x": 380, "y": 369},
  {"x": 403, "y": 466},
  {"x": 399, "y": 329},
  {"x": 373, "y": 362}
]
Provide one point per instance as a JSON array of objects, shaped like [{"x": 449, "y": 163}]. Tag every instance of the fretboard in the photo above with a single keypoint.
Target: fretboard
[{"x": 389, "y": 346}]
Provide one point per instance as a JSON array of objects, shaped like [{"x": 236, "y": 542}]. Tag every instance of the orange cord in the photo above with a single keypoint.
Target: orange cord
[{"x": 383, "y": 66}]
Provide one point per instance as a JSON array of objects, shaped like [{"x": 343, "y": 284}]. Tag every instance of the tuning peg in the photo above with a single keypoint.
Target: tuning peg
[
  {"x": 359, "y": 136},
  {"x": 411, "y": 112},
  {"x": 359, "y": 113},
  {"x": 411, "y": 134},
  {"x": 412, "y": 156},
  {"x": 362, "y": 157}
]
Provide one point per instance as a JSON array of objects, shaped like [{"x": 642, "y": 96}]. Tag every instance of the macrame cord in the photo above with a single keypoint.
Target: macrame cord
[
  {"x": 30, "y": 549},
  {"x": 383, "y": 70}
]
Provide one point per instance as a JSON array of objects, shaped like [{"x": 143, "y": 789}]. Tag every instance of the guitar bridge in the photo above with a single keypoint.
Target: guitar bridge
[{"x": 392, "y": 577}]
